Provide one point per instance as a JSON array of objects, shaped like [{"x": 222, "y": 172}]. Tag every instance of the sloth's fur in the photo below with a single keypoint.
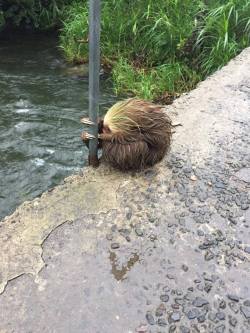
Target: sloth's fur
[{"x": 134, "y": 134}]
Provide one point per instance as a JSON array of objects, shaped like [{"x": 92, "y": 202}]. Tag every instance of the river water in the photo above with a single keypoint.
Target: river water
[{"x": 40, "y": 108}]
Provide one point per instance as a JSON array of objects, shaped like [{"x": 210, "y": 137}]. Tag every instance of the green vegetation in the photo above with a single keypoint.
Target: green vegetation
[
  {"x": 154, "y": 49},
  {"x": 34, "y": 14},
  {"x": 223, "y": 33},
  {"x": 159, "y": 48},
  {"x": 161, "y": 82}
]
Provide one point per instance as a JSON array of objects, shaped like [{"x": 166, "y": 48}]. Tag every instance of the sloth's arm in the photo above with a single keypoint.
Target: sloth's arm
[
  {"x": 110, "y": 137},
  {"x": 118, "y": 138}
]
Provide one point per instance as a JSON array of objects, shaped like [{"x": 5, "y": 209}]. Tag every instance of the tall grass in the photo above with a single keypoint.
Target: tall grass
[
  {"x": 75, "y": 31},
  {"x": 224, "y": 33},
  {"x": 160, "y": 82},
  {"x": 146, "y": 31},
  {"x": 157, "y": 48},
  {"x": 34, "y": 14}
]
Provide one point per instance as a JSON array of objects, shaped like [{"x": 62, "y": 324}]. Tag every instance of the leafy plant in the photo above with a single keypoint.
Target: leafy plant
[{"x": 36, "y": 14}]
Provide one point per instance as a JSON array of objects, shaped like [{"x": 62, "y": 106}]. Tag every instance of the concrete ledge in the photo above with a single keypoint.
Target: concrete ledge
[{"x": 160, "y": 250}]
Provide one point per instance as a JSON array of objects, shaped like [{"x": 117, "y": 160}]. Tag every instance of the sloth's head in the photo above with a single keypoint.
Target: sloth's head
[{"x": 129, "y": 116}]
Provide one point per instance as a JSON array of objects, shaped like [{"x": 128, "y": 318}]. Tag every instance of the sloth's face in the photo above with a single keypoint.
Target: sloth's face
[{"x": 106, "y": 130}]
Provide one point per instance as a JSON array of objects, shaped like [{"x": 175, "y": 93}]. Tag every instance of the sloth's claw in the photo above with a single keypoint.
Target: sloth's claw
[
  {"x": 86, "y": 136},
  {"x": 90, "y": 136},
  {"x": 87, "y": 121}
]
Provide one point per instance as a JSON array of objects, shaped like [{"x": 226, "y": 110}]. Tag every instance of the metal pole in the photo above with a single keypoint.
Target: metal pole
[{"x": 94, "y": 70}]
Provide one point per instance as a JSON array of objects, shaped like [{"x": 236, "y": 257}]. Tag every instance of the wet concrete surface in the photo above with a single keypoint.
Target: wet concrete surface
[{"x": 167, "y": 250}]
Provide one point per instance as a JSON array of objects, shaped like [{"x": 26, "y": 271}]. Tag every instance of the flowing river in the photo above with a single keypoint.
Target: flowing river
[{"x": 41, "y": 103}]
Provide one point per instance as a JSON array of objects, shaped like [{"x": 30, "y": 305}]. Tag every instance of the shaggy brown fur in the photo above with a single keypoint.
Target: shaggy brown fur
[{"x": 135, "y": 137}]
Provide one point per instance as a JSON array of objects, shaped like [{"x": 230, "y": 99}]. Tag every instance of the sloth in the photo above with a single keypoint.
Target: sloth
[{"x": 134, "y": 135}]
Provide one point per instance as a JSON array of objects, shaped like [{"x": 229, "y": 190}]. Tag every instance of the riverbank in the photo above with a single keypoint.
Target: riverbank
[
  {"x": 167, "y": 249},
  {"x": 155, "y": 50},
  {"x": 160, "y": 49}
]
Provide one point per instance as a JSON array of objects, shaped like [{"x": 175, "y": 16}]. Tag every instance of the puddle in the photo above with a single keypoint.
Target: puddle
[{"x": 120, "y": 273}]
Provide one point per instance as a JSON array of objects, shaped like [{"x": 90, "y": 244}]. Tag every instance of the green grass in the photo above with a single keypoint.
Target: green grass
[
  {"x": 153, "y": 83},
  {"x": 160, "y": 48},
  {"x": 154, "y": 49},
  {"x": 224, "y": 32},
  {"x": 141, "y": 41},
  {"x": 39, "y": 15},
  {"x": 147, "y": 31},
  {"x": 74, "y": 31}
]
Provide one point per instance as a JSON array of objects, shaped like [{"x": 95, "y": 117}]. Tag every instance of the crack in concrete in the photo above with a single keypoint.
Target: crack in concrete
[
  {"x": 46, "y": 239},
  {"x": 11, "y": 280},
  {"x": 42, "y": 258},
  {"x": 22, "y": 244}
]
